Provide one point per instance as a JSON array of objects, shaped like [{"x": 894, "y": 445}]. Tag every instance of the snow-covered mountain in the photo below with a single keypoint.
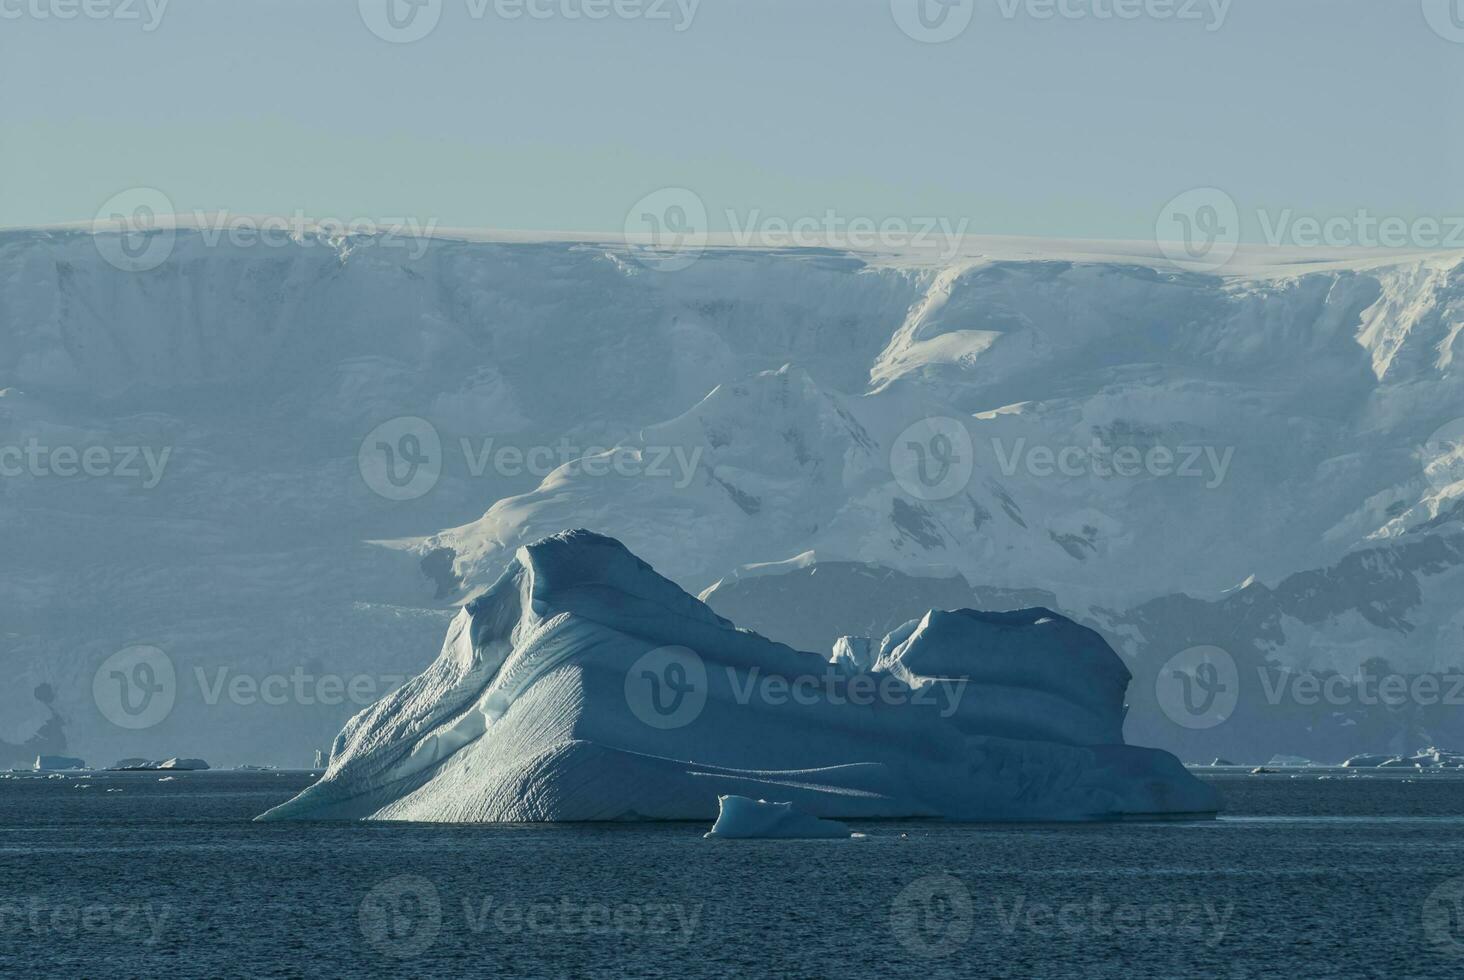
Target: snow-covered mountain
[
  {"x": 1257, "y": 461},
  {"x": 1265, "y": 464}
]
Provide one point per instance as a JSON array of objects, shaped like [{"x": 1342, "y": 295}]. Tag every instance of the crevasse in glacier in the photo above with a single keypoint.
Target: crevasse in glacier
[{"x": 584, "y": 686}]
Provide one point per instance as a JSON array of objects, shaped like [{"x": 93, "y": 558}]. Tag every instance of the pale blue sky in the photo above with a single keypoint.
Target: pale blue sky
[{"x": 1061, "y": 127}]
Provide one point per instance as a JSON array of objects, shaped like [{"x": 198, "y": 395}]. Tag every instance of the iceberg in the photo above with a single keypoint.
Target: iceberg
[
  {"x": 853, "y": 654},
  {"x": 583, "y": 686},
  {"x": 1427, "y": 758},
  {"x": 144, "y": 765},
  {"x": 743, "y": 818},
  {"x": 51, "y": 763},
  {"x": 1434, "y": 756}
]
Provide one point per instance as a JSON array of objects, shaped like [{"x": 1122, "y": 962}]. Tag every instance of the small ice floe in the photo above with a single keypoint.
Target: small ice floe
[
  {"x": 745, "y": 818},
  {"x": 167, "y": 779}
]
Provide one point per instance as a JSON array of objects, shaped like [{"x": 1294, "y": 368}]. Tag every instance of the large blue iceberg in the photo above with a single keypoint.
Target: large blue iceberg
[{"x": 584, "y": 686}]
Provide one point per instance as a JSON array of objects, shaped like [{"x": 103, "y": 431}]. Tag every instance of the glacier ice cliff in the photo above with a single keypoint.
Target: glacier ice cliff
[{"x": 584, "y": 686}]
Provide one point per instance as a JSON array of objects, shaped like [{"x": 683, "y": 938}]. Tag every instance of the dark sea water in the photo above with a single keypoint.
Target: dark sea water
[{"x": 1302, "y": 878}]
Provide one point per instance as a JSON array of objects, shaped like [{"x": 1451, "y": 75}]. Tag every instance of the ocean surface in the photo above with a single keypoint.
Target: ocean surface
[{"x": 1317, "y": 875}]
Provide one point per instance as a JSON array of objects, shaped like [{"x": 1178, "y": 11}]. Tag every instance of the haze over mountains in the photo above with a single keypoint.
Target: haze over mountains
[{"x": 303, "y": 458}]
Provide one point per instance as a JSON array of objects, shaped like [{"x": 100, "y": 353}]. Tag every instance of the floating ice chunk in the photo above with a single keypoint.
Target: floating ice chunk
[
  {"x": 741, "y": 817},
  {"x": 1289, "y": 761}
]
